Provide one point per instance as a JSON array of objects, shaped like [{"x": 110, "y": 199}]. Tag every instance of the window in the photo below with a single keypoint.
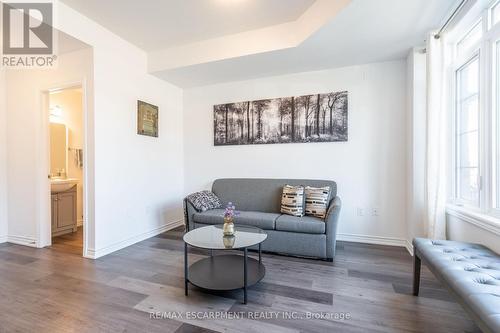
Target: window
[
  {"x": 471, "y": 38},
  {"x": 467, "y": 133},
  {"x": 495, "y": 13},
  {"x": 474, "y": 82}
]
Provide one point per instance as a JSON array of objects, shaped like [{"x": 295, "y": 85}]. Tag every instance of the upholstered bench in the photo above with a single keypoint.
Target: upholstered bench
[{"x": 470, "y": 271}]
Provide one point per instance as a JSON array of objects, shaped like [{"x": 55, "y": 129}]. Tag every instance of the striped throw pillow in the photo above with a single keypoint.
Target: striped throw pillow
[
  {"x": 317, "y": 200},
  {"x": 292, "y": 200}
]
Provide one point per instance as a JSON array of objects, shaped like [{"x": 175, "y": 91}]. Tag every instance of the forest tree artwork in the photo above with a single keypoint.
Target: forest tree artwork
[{"x": 310, "y": 118}]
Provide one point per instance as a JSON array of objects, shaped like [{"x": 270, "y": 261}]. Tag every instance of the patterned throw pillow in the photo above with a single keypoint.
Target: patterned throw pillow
[
  {"x": 204, "y": 200},
  {"x": 317, "y": 200},
  {"x": 292, "y": 200}
]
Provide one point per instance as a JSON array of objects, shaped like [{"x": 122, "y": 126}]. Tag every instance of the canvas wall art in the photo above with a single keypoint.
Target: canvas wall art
[
  {"x": 147, "y": 119},
  {"x": 310, "y": 118}
]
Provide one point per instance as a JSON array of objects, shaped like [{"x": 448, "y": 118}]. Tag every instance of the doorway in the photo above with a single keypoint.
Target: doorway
[{"x": 66, "y": 168}]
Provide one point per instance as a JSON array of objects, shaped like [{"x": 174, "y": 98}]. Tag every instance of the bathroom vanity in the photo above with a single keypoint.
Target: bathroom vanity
[{"x": 64, "y": 209}]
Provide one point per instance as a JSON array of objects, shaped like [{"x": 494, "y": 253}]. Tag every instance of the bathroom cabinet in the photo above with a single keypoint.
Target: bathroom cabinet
[{"x": 64, "y": 212}]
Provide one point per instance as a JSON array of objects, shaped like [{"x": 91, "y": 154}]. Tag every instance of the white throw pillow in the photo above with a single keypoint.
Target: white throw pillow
[
  {"x": 317, "y": 201},
  {"x": 292, "y": 200}
]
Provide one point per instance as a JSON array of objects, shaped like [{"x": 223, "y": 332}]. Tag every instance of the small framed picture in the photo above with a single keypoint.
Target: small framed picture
[{"x": 147, "y": 119}]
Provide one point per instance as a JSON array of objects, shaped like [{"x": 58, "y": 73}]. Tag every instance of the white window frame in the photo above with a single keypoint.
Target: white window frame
[
  {"x": 489, "y": 114},
  {"x": 490, "y": 16},
  {"x": 492, "y": 78},
  {"x": 495, "y": 107},
  {"x": 467, "y": 34},
  {"x": 465, "y": 60}
]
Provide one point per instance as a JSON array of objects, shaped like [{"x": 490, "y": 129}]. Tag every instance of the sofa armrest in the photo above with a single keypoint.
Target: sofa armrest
[
  {"x": 331, "y": 220},
  {"x": 189, "y": 211}
]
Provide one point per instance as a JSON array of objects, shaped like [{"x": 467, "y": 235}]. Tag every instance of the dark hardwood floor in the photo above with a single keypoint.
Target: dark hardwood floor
[
  {"x": 70, "y": 243},
  {"x": 56, "y": 290}
]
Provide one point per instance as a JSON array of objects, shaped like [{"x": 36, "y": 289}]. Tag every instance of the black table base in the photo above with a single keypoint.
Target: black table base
[{"x": 224, "y": 272}]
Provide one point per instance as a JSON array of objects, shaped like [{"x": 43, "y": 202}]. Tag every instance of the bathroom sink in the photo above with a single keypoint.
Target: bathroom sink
[{"x": 62, "y": 184}]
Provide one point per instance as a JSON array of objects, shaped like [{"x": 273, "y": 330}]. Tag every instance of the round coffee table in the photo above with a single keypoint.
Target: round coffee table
[{"x": 228, "y": 271}]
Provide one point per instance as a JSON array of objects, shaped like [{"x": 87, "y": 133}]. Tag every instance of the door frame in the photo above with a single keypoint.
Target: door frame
[{"x": 44, "y": 226}]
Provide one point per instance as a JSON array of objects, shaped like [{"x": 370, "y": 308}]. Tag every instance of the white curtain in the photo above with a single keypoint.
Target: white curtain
[{"x": 435, "y": 173}]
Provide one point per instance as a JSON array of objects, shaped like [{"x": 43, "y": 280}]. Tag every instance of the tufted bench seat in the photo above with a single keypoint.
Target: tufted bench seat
[{"x": 470, "y": 271}]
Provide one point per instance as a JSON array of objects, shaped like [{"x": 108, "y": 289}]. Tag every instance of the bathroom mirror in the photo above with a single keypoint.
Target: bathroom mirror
[{"x": 58, "y": 150}]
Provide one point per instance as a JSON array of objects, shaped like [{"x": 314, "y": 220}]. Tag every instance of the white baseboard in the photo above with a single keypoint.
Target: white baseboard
[
  {"x": 79, "y": 223},
  {"x": 22, "y": 240},
  {"x": 3, "y": 239},
  {"x": 379, "y": 240},
  {"x": 94, "y": 254}
]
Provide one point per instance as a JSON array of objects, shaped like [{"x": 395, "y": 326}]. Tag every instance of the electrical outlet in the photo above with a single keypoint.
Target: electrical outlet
[
  {"x": 375, "y": 211},
  {"x": 360, "y": 211}
]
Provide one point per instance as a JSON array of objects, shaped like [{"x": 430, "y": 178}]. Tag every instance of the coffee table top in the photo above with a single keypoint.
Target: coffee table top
[{"x": 212, "y": 237}]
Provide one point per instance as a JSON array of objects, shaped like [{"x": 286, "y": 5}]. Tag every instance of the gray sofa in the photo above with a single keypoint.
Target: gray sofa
[
  {"x": 259, "y": 201},
  {"x": 470, "y": 271}
]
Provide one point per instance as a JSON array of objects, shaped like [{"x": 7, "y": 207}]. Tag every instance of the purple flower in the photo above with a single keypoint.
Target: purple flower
[{"x": 230, "y": 211}]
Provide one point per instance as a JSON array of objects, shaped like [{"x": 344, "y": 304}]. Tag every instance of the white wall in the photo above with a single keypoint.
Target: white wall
[
  {"x": 3, "y": 160},
  {"x": 136, "y": 181},
  {"x": 25, "y": 160},
  {"x": 139, "y": 179},
  {"x": 370, "y": 168}
]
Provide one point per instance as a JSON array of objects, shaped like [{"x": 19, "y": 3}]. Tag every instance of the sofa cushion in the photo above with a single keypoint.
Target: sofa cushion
[
  {"x": 304, "y": 224},
  {"x": 261, "y": 220}
]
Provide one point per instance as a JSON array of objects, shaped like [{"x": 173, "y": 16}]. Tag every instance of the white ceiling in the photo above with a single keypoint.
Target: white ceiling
[
  {"x": 365, "y": 31},
  {"x": 159, "y": 24},
  {"x": 355, "y": 32}
]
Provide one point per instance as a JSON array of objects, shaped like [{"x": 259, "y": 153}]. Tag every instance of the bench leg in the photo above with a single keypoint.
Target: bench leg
[{"x": 416, "y": 274}]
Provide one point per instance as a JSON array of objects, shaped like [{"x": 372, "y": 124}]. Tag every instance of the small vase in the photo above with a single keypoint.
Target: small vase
[{"x": 228, "y": 228}]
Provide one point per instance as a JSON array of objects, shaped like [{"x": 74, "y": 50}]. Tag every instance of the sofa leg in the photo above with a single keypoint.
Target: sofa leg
[
  {"x": 329, "y": 259},
  {"x": 416, "y": 274}
]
